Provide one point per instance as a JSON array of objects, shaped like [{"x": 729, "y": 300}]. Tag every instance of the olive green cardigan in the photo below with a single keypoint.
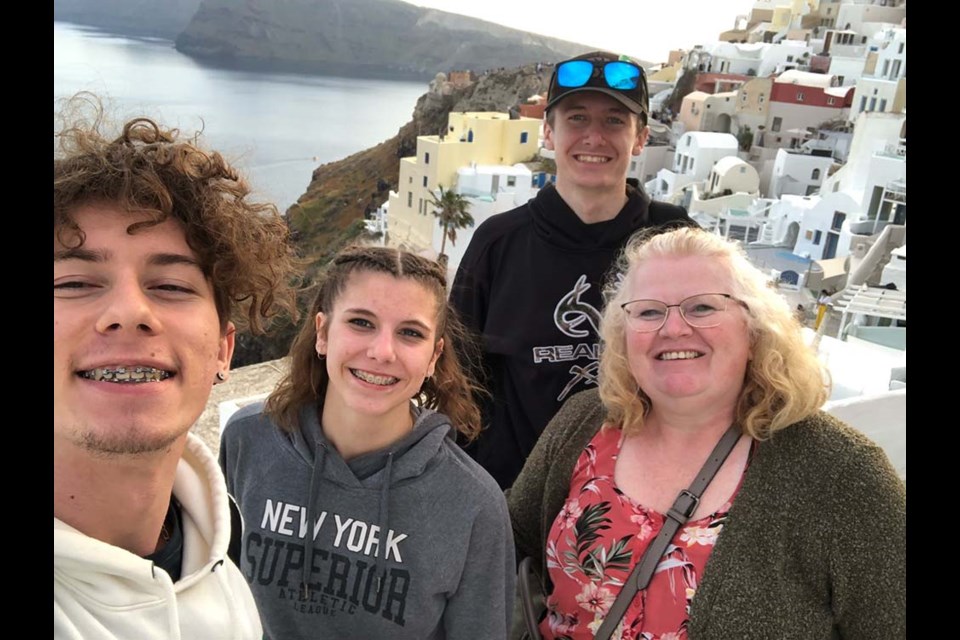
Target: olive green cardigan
[{"x": 814, "y": 545}]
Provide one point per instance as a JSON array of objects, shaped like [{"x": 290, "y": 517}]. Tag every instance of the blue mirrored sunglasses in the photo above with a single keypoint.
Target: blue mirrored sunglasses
[{"x": 619, "y": 75}]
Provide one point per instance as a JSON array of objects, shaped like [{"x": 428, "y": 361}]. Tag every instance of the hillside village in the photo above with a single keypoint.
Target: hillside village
[{"x": 790, "y": 137}]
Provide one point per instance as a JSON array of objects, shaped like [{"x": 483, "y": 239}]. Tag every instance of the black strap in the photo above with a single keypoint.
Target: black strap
[{"x": 683, "y": 507}]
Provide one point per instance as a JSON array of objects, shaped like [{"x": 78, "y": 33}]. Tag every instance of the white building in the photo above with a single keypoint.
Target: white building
[
  {"x": 892, "y": 55},
  {"x": 847, "y": 69},
  {"x": 489, "y": 190},
  {"x": 697, "y": 151},
  {"x": 693, "y": 160},
  {"x": 732, "y": 174},
  {"x": 823, "y": 233},
  {"x": 743, "y": 58},
  {"x": 784, "y": 56},
  {"x": 877, "y": 158},
  {"x": 798, "y": 173},
  {"x": 895, "y": 271},
  {"x": 856, "y": 16},
  {"x": 874, "y": 94}
]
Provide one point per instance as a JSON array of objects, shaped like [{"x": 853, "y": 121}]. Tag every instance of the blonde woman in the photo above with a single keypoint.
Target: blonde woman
[{"x": 801, "y": 533}]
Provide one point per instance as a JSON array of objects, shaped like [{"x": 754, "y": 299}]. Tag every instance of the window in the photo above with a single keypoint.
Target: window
[
  {"x": 424, "y": 181},
  {"x": 760, "y": 99},
  {"x": 410, "y": 180},
  {"x": 789, "y": 58},
  {"x": 830, "y": 102},
  {"x": 799, "y": 96},
  {"x": 426, "y": 157},
  {"x": 883, "y": 104},
  {"x": 777, "y": 122},
  {"x": 900, "y": 48},
  {"x": 523, "y": 137},
  {"x": 816, "y": 237},
  {"x": 873, "y": 104},
  {"x": 409, "y": 199},
  {"x": 511, "y": 181},
  {"x": 838, "y": 218},
  {"x": 863, "y": 103},
  {"x": 815, "y": 174},
  {"x": 743, "y": 97}
]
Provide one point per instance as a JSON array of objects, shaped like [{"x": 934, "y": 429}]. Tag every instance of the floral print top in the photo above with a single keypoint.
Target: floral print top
[{"x": 597, "y": 539}]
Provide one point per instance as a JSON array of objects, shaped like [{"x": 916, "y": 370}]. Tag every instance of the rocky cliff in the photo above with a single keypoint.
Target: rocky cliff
[
  {"x": 164, "y": 19},
  {"x": 382, "y": 38}
]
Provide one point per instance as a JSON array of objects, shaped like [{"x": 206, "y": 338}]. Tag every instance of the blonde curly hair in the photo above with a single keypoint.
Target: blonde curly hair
[{"x": 784, "y": 381}]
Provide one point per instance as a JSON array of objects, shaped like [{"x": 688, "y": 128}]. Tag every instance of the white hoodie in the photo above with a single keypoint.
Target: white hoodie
[{"x": 103, "y": 591}]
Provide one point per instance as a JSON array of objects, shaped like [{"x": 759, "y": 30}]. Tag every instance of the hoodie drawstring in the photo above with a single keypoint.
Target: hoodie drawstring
[
  {"x": 383, "y": 518},
  {"x": 321, "y": 452}
]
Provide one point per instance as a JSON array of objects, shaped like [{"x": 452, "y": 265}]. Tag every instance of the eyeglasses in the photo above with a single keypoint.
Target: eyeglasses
[
  {"x": 701, "y": 311},
  {"x": 619, "y": 75}
]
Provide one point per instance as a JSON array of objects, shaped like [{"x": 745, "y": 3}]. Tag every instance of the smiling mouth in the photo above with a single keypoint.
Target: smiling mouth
[
  {"x": 679, "y": 355},
  {"x": 592, "y": 159},
  {"x": 383, "y": 381},
  {"x": 126, "y": 375}
]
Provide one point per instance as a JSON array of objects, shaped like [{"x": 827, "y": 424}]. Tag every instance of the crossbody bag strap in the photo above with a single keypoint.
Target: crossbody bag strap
[{"x": 683, "y": 507}]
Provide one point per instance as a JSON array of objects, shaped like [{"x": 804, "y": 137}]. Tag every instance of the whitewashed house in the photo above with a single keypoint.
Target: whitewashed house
[{"x": 798, "y": 172}]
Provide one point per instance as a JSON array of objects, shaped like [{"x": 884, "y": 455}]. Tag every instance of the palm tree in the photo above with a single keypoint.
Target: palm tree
[{"x": 451, "y": 210}]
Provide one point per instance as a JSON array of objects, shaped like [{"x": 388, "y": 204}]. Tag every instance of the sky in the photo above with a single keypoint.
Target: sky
[{"x": 645, "y": 29}]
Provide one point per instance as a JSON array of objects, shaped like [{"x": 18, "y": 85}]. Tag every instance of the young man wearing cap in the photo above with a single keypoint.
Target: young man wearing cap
[
  {"x": 530, "y": 281},
  {"x": 157, "y": 251}
]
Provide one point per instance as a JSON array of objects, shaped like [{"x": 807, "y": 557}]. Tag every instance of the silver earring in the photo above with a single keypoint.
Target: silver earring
[{"x": 221, "y": 377}]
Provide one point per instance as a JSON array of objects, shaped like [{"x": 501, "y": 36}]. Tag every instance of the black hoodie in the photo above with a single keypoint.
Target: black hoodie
[{"x": 530, "y": 285}]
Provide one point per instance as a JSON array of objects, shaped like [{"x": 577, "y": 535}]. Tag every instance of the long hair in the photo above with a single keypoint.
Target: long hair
[
  {"x": 242, "y": 246},
  {"x": 450, "y": 390},
  {"x": 784, "y": 381}
]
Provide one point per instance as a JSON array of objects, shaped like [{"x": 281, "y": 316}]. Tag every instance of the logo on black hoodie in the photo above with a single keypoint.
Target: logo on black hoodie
[{"x": 575, "y": 318}]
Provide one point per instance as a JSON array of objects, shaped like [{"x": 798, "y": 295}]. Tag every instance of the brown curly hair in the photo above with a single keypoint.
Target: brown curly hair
[
  {"x": 242, "y": 246},
  {"x": 450, "y": 390}
]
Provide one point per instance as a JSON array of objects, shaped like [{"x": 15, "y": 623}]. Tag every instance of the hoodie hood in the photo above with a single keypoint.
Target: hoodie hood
[
  {"x": 106, "y": 586},
  {"x": 410, "y": 455},
  {"x": 402, "y": 460},
  {"x": 556, "y": 222}
]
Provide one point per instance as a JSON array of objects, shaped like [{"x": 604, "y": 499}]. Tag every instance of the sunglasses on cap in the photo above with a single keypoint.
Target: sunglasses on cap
[{"x": 618, "y": 75}]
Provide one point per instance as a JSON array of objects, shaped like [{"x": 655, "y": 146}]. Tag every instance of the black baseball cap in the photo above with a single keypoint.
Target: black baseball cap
[{"x": 632, "y": 95}]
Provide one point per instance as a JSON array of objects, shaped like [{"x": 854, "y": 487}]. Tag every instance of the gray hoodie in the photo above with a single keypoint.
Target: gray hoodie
[{"x": 412, "y": 541}]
